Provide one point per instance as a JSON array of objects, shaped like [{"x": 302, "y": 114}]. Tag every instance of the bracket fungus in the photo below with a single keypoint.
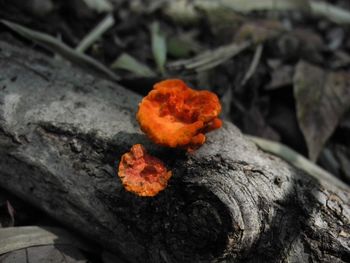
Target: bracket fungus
[
  {"x": 174, "y": 115},
  {"x": 141, "y": 173}
]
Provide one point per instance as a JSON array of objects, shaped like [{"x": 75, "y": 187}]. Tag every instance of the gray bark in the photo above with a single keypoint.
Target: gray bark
[{"x": 63, "y": 131}]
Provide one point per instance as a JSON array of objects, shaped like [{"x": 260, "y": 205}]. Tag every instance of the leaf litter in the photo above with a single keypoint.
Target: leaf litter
[{"x": 279, "y": 67}]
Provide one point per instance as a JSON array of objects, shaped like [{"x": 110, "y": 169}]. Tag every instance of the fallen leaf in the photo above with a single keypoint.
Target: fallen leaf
[
  {"x": 329, "y": 11},
  {"x": 50, "y": 253},
  {"x": 127, "y": 62},
  {"x": 253, "y": 65},
  {"x": 56, "y": 46},
  {"x": 299, "y": 161},
  {"x": 18, "y": 256},
  {"x": 96, "y": 33},
  {"x": 14, "y": 238},
  {"x": 210, "y": 58},
  {"x": 159, "y": 47},
  {"x": 99, "y": 5},
  {"x": 224, "y": 23},
  {"x": 281, "y": 76},
  {"x": 182, "y": 12},
  {"x": 189, "y": 11},
  {"x": 259, "y": 31},
  {"x": 300, "y": 43},
  {"x": 182, "y": 45},
  {"x": 250, "y": 33},
  {"x": 322, "y": 97},
  {"x": 56, "y": 253},
  {"x": 246, "y": 6},
  {"x": 192, "y": 10}
]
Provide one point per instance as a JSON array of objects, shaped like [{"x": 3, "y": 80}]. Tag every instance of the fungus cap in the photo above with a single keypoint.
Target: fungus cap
[
  {"x": 141, "y": 173},
  {"x": 174, "y": 115}
]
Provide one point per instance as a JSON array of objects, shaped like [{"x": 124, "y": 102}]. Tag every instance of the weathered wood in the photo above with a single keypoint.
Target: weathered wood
[{"x": 63, "y": 131}]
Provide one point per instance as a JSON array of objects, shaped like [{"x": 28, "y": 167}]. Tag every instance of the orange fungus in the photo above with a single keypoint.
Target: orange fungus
[
  {"x": 142, "y": 173},
  {"x": 174, "y": 115}
]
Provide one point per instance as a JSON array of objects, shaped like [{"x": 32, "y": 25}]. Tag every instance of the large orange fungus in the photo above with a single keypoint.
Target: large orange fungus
[
  {"x": 141, "y": 173},
  {"x": 174, "y": 115}
]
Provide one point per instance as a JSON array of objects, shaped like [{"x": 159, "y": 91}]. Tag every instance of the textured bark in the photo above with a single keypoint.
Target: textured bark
[{"x": 63, "y": 131}]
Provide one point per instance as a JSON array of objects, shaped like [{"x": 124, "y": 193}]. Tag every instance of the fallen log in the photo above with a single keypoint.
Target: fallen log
[{"x": 63, "y": 131}]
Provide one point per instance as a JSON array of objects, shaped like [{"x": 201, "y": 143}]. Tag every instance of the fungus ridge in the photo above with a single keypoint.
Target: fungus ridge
[
  {"x": 142, "y": 173},
  {"x": 174, "y": 115}
]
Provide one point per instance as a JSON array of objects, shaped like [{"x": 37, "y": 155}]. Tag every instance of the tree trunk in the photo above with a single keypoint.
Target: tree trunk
[{"x": 63, "y": 131}]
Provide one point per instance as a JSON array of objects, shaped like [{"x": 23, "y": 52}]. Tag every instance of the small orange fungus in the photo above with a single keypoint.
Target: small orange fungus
[
  {"x": 142, "y": 173},
  {"x": 174, "y": 115}
]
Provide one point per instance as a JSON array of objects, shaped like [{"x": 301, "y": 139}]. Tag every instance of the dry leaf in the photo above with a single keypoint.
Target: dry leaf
[
  {"x": 14, "y": 238},
  {"x": 129, "y": 63},
  {"x": 56, "y": 46},
  {"x": 211, "y": 58},
  {"x": 52, "y": 254},
  {"x": 99, "y": 5},
  {"x": 322, "y": 98},
  {"x": 259, "y": 31}
]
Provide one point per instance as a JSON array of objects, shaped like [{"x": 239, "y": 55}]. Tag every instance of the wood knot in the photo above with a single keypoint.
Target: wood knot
[{"x": 205, "y": 224}]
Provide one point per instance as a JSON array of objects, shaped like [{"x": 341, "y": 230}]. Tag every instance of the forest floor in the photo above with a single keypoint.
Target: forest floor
[{"x": 280, "y": 68}]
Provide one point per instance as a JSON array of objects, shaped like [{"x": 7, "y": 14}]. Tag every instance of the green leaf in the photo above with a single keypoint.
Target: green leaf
[
  {"x": 129, "y": 63},
  {"x": 322, "y": 97},
  {"x": 159, "y": 48}
]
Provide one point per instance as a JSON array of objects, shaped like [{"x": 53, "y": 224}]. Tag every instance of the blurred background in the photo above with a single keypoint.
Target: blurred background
[{"x": 280, "y": 67}]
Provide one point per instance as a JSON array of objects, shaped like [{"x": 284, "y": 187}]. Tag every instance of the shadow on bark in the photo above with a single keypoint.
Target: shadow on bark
[{"x": 286, "y": 230}]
